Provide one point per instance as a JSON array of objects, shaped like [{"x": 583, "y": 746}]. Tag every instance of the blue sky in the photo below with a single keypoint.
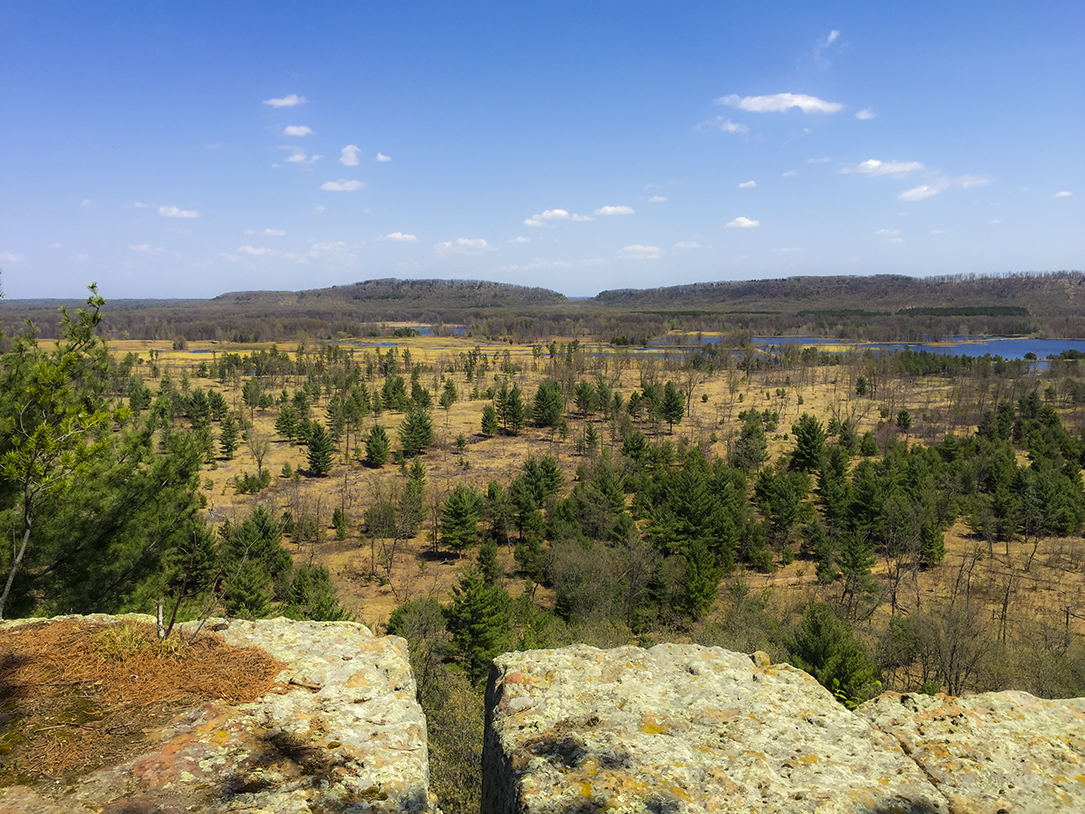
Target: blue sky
[{"x": 187, "y": 149}]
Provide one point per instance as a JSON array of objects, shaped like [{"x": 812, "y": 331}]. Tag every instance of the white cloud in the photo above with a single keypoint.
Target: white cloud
[
  {"x": 743, "y": 223},
  {"x": 348, "y": 156},
  {"x": 896, "y": 240},
  {"x": 319, "y": 210},
  {"x": 658, "y": 199},
  {"x": 554, "y": 214},
  {"x": 268, "y": 232},
  {"x": 779, "y": 102},
  {"x": 9, "y": 257},
  {"x": 789, "y": 173},
  {"x": 919, "y": 193},
  {"x": 1063, "y": 194},
  {"x": 639, "y": 252},
  {"x": 939, "y": 231},
  {"x": 822, "y": 44},
  {"x": 86, "y": 202},
  {"x": 728, "y": 126},
  {"x": 299, "y": 157},
  {"x": 140, "y": 205},
  {"x": 865, "y": 114},
  {"x": 686, "y": 244},
  {"x": 383, "y": 158},
  {"x": 174, "y": 212},
  {"x": 614, "y": 210},
  {"x": 873, "y": 166},
  {"x": 147, "y": 248},
  {"x": 297, "y": 130},
  {"x": 258, "y": 252},
  {"x": 400, "y": 237},
  {"x": 341, "y": 185},
  {"x": 888, "y": 232},
  {"x": 336, "y": 249},
  {"x": 519, "y": 239},
  {"x": 941, "y": 184},
  {"x": 464, "y": 245},
  {"x": 286, "y": 101},
  {"x": 747, "y": 185}
]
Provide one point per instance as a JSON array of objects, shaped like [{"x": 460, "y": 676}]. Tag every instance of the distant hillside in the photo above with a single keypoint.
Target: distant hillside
[
  {"x": 1053, "y": 293},
  {"x": 412, "y": 293}
]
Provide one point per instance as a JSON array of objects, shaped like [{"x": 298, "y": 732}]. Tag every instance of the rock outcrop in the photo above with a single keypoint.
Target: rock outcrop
[
  {"x": 683, "y": 728},
  {"x": 343, "y": 733}
]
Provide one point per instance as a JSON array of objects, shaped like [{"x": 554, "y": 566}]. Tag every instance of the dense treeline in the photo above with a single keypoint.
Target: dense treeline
[{"x": 854, "y": 308}]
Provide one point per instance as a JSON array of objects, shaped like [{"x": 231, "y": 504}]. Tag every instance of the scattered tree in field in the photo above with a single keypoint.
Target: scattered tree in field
[
  {"x": 377, "y": 447},
  {"x": 809, "y": 444},
  {"x": 321, "y": 450},
  {"x": 548, "y": 405},
  {"x": 228, "y": 436},
  {"x": 416, "y": 433},
  {"x": 490, "y": 424},
  {"x": 460, "y": 514}
]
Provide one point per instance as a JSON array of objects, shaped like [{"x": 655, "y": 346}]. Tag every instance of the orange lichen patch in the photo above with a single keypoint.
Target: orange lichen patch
[{"x": 76, "y": 696}]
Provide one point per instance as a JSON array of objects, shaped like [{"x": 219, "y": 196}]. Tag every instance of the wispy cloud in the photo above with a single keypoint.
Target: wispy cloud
[
  {"x": 819, "y": 50},
  {"x": 940, "y": 184},
  {"x": 86, "y": 202},
  {"x": 686, "y": 244},
  {"x": 286, "y": 101},
  {"x": 779, "y": 102},
  {"x": 174, "y": 212},
  {"x": 614, "y": 210},
  {"x": 297, "y": 130},
  {"x": 520, "y": 239},
  {"x": 320, "y": 209},
  {"x": 334, "y": 249},
  {"x": 147, "y": 248},
  {"x": 383, "y": 158},
  {"x": 658, "y": 199},
  {"x": 888, "y": 232},
  {"x": 266, "y": 232},
  {"x": 341, "y": 185},
  {"x": 747, "y": 185},
  {"x": 1063, "y": 194},
  {"x": 348, "y": 156},
  {"x": 725, "y": 124},
  {"x": 743, "y": 223},
  {"x": 873, "y": 166},
  {"x": 789, "y": 174},
  {"x": 463, "y": 245},
  {"x": 258, "y": 251},
  {"x": 822, "y": 160},
  {"x": 640, "y": 252},
  {"x": 11, "y": 257},
  {"x": 400, "y": 237},
  {"x": 554, "y": 214},
  {"x": 141, "y": 205},
  {"x": 865, "y": 114},
  {"x": 299, "y": 157}
]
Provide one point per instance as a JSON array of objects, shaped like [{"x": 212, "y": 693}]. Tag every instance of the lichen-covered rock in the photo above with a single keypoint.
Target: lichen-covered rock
[
  {"x": 994, "y": 752},
  {"x": 683, "y": 728},
  {"x": 344, "y": 733}
]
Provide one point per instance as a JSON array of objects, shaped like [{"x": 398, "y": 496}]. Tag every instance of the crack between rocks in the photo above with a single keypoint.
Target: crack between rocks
[{"x": 930, "y": 779}]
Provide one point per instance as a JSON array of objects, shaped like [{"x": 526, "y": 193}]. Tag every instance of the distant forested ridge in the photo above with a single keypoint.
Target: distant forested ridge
[{"x": 879, "y": 308}]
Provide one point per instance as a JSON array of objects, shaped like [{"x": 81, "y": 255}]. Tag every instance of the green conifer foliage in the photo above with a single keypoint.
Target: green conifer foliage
[
  {"x": 377, "y": 447},
  {"x": 321, "y": 450}
]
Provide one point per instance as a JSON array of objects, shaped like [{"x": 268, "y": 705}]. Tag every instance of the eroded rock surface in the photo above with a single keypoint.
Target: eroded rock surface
[
  {"x": 683, "y": 728},
  {"x": 995, "y": 752},
  {"x": 343, "y": 734}
]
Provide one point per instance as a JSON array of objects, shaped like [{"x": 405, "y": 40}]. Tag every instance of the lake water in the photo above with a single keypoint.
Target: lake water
[{"x": 1007, "y": 348}]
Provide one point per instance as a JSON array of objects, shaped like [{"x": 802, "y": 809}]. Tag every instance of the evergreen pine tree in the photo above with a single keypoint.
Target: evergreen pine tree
[
  {"x": 674, "y": 404},
  {"x": 478, "y": 619},
  {"x": 287, "y": 422},
  {"x": 377, "y": 447},
  {"x": 228, "y": 436},
  {"x": 515, "y": 411},
  {"x": 490, "y": 424},
  {"x": 321, "y": 450},
  {"x": 416, "y": 432},
  {"x": 459, "y": 517}
]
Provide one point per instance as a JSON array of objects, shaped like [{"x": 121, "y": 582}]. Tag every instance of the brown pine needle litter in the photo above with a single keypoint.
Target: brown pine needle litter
[{"x": 76, "y": 695}]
